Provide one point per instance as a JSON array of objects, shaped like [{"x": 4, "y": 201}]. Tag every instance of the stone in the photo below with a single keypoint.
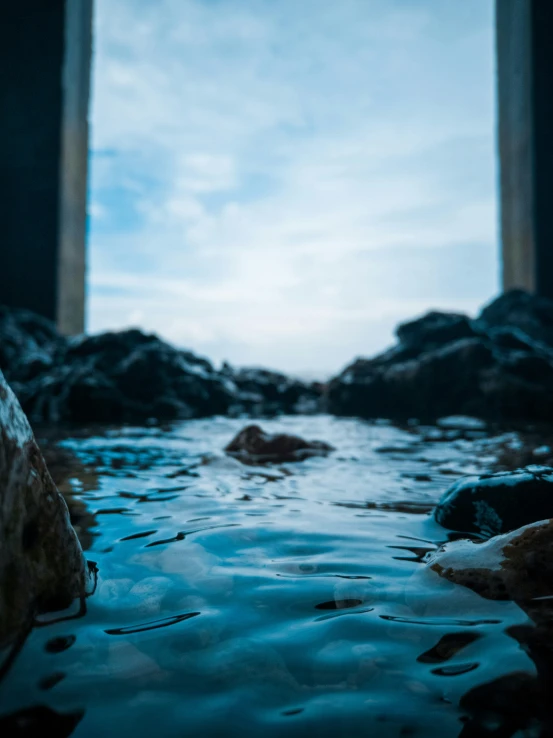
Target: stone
[
  {"x": 447, "y": 364},
  {"x": 126, "y": 376},
  {"x": 42, "y": 567},
  {"x": 435, "y": 329},
  {"x": 268, "y": 393},
  {"x": 132, "y": 376},
  {"x": 28, "y": 343},
  {"x": 253, "y": 446},
  {"x": 531, "y": 314},
  {"x": 514, "y": 566},
  {"x": 497, "y": 503}
]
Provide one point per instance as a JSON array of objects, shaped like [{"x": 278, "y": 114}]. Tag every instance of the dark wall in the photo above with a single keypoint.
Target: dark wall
[{"x": 31, "y": 63}]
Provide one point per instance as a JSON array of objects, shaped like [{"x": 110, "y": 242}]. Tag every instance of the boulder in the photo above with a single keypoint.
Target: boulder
[
  {"x": 514, "y": 566},
  {"x": 28, "y": 343},
  {"x": 265, "y": 393},
  {"x": 448, "y": 364},
  {"x": 253, "y": 446},
  {"x": 126, "y": 376},
  {"x": 132, "y": 376},
  {"x": 42, "y": 567},
  {"x": 531, "y": 314},
  {"x": 435, "y": 329},
  {"x": 497, "y": 503}
]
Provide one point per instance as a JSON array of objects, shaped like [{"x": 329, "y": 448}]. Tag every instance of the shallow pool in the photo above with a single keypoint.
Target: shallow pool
[{"x": 243, "y": 601}]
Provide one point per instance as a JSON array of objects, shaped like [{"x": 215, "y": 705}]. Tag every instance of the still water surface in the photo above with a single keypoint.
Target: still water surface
[{"x": 279, "y": 601}]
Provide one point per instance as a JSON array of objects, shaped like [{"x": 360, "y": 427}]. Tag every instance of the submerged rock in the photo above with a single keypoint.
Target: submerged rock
[
  {"x": 498, "y": 367},
  {"x": 515, "y": 566},
  {"x": 42, "y": 566},
  {"x": 253, "y": 446},
  {"x": 497, "y": 503}
]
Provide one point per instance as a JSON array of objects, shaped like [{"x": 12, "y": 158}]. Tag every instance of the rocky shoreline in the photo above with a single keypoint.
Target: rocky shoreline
[{"x": 498, "y": 366}]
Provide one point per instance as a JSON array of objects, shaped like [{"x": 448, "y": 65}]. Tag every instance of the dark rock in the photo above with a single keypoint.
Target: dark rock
[
  {"x": 532, "y": 314},
  {"x": 131, "y": 376},
  {"x": 447, "y": 364},
  {"x": 41, "y": 562},
  {"x": 441, "y": 382},
  {"x": 28, "y": 343},
  {"x": 265, "y": 393},
  {"x": 126, "y": 376},
  {"x": 253, "y": 446},
  {"x": 497, "y": 503},
  {"x": 435, "y": 329}
]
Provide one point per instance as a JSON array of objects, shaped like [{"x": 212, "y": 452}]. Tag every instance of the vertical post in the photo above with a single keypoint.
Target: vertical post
[
  {"x": 45, "y": 57},
  {"x": 74, "y": 167},
  {"x": 524, "y": 30}
]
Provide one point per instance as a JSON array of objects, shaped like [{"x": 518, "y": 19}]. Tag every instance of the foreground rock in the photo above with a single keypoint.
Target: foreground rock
[
  {"x": 497, "y": 503},
  {"x": 498, "y": 366},
  {"x": 42, "y": 567},
  {"x": 253, "y": 446},
  {"x": 515, "y": 566},
  {"x": 131, "y": 376}
]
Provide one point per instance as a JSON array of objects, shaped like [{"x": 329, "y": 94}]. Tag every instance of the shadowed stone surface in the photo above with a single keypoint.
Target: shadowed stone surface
[
  {"x": 497, "y": 503},
  {"x": 131, "y": 376},
  {"x": 253, "y": 446},
  {"x": 498, "y": 366},
  {"x": 42, "y": 567}
]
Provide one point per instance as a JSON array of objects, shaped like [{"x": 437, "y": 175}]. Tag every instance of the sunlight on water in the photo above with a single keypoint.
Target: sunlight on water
[{"x": 285, "y": 600}]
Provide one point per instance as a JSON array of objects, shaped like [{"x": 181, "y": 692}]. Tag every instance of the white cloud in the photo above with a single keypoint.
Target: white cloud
[{"x": 277, "y": 175}]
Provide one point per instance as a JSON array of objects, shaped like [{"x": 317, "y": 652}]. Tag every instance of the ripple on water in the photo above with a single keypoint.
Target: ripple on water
[{"x": 289, "y": 600}]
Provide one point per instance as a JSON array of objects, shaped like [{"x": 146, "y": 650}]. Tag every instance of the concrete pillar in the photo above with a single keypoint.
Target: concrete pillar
[
  {"x": 45, "y": 59},
  {"x": 524, "y": 29}
]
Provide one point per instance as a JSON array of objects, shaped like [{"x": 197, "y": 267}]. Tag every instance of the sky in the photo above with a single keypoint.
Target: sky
[{"x": 280, "y": 182}]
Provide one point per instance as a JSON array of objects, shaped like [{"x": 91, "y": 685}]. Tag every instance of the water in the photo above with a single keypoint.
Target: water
[{"x": 242, "y": 601}]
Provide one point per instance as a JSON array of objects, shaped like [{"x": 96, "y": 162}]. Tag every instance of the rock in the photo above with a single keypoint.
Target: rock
[
  {"x": 126, "y": 376},
  {"x": 514, "y": 566},
  {"x": 435, "y": 384},
  {"x": 131, "y": 376},
  {"x": 253, "y": 446},
  {"x": 531, "y": 314},
  {"x": 497, "y": 503},
  {"x": 266, "y": 393},
  {"x": 28, "y": 343},
  {"x": 447, "y": 364},
  {"x": 435, "y": 329},
  {"x": 42, "y": 567}
]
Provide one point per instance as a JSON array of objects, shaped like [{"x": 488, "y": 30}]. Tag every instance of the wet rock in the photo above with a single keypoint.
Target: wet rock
[
  {"x": 265, "y": 393},
  {"x": 514, "y": 566},
  {"x": 126, "y": 376},
  {"x": 435, "y": 329},
  {"x": 497, "y": 503},
  {"x": 498, "y": 367},
  {"x": 531, "y": 314},
  {"x": 253, "y": 446},
  {"x": 28, "y": 344},
  {"x": 131, "y": 376},
  {"x": 42, "y": 567}
]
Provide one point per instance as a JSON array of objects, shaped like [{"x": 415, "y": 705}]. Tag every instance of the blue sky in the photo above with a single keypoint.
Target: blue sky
[{"x": 279, "y": 182}]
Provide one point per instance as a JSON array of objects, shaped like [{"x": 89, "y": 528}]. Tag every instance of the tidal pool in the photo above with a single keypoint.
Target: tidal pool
[{"x": 287, "y": 600}]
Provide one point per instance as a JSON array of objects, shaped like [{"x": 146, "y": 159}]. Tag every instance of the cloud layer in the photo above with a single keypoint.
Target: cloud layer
[{"x": 279, "y": 183}]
